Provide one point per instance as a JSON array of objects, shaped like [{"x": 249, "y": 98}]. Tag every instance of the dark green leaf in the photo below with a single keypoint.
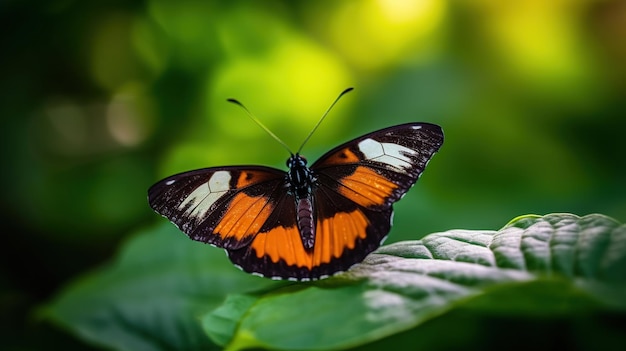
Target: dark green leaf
[
  {"x": 222, "y": 322},
  {"x": 151, "y": 296}
]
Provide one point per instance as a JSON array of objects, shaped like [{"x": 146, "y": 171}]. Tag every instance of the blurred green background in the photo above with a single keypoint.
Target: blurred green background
[{"x": 101, "y": 99}]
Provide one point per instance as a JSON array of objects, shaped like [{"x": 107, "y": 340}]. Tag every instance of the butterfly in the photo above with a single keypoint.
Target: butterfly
[{"x": 306, "y": 223}]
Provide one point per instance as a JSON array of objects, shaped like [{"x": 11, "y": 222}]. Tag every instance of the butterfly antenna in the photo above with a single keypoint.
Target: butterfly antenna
[
  {"x": 324, "y": 116},
  {"x": 257, "y": 121}
]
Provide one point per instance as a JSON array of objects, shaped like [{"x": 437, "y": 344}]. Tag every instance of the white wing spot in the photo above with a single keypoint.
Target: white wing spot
[
  {"x": 416, "y": 127},
  {"x": 205, "y": 195},
  {"x": 170, "y": 182},
  {"x": 391, "y": 154}
]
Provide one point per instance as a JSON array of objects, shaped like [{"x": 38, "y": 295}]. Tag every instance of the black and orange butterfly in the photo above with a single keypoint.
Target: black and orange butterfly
[{"x": 309, "y": 222}]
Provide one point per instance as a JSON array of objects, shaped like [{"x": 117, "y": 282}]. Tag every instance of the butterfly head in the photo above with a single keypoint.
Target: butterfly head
[
  {"x": 299, "y": 177},
  {"x": 296, "y": 161}
]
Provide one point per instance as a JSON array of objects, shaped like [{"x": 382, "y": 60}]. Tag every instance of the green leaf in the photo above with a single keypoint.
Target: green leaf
[
  {"x": 164, "y": 291},
  {"x": 553, "y": 265},
  {"x": 152, "y": 295},
  {"x": 222, "y": 322}
]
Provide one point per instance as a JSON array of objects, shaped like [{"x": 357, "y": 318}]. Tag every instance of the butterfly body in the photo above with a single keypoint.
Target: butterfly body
[
  {"x": 308, "y": 222},
  {"x": 300, "y": 181}
]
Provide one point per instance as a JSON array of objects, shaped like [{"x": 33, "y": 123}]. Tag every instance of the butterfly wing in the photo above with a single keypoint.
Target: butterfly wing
[
  {"x": 341, "y": 237},
  {"x": 377, "y": 169},
  {"x": 223, "y": 206},
  {"x": 356, "y": 185},
  {"x": 366, "y": 176}
]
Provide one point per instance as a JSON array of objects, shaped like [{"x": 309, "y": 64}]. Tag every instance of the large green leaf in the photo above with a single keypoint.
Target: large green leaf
[
  {"x": 534, "y": 265},
  {"x": 151, "y": 296},
  {"x": 162, "y": 290}
]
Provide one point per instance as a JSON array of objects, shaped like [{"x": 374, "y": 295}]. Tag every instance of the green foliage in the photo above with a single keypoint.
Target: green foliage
[
  {"x": 151, "y": 296},
  {"x": 163, "y": 292}
]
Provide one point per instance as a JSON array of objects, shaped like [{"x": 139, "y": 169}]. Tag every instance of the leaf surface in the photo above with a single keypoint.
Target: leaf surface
[
  {"x": 164, "y": 292},
  {"x": 152, "y": 295},
  {"x": 558, "y": 262}
]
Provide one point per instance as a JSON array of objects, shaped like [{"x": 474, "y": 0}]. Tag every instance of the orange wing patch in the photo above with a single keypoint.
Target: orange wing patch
[
  {"x": 281, "y": 243},
  {"x": 337, "y": 233},
  {"x": 344, "y": 156},
  {"x": 333, "y": 236},
  {"x": 366, "y": 187},
  {"x": 251, "y": 177},
  {"x": 245, "y": 216}
]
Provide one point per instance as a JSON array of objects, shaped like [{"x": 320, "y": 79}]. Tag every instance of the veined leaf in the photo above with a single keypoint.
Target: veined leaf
[
  {"x": 405, "y": 284},
  {"x": 162, "y": 290}
]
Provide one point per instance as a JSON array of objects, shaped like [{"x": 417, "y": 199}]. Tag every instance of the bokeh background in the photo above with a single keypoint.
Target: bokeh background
[{"x": 100, "y": 99}]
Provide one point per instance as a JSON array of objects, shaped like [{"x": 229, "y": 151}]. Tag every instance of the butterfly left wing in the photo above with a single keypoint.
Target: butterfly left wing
[{"x": 223, "y": 206}]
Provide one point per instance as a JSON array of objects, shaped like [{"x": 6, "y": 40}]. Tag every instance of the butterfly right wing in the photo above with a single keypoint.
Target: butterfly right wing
[
  {"x": 377, "y": 169},
  {"x": 223, "y": 206}
]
